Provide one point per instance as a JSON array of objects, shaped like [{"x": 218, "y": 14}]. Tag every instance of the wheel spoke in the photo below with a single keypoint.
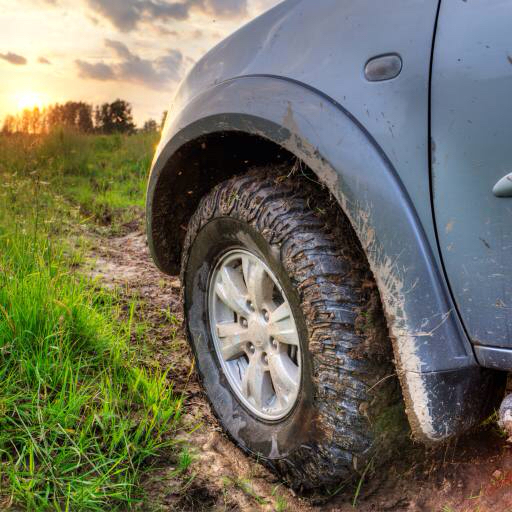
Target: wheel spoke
[
  {"x": 231, "y": 289},
  {"x": 285, "y": 376},
  {"x": 282, "y": 327},
  {"x": 259, "y": 284},
  {"x": 255, "y": 384},
  {"x": 233, "y": 339}
]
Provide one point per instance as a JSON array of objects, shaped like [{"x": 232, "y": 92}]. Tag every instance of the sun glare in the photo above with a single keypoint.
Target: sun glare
[{"x": 30, "y": 100}]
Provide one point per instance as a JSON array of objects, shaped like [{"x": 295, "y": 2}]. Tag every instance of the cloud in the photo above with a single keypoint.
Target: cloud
[
  {"x": 127, "y": 14},
  {"x": 132, "y": 68},
  {"x": 43, "y": 60},
  {"x": 166, "y": 32},
  {"x": 222, "y": 8},
  {"x": 98, "y": 71},
  {"x": 119, "y": 48},
  {"x": 13, "y": 58}
]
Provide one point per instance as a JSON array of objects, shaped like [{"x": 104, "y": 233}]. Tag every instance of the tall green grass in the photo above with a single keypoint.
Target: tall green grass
[
  {"x": 104, "y": 176},
  {"x": 79, "y": 418}
]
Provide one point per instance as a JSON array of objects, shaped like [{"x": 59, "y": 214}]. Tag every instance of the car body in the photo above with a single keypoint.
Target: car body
[{"x": 400, "y": 108}]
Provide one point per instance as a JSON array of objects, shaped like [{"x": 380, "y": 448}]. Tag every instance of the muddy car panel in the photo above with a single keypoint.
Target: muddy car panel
[
  {"x": 306, "y": 91},
  {"x": 471, "y": 127}
]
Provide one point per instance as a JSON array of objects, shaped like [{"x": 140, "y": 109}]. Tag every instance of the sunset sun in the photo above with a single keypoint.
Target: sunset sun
[{"x": 30, "y": 100}]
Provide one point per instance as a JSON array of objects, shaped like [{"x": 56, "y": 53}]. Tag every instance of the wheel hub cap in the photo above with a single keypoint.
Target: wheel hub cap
[{"x": 254, "y": 334}]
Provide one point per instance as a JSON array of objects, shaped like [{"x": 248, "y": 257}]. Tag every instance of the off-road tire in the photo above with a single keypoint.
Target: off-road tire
[{"x": 350, "y": 409}]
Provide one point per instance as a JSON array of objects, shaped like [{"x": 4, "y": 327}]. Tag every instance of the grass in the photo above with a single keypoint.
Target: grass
[
  {"x": 80, "y": 420},
  {"x": 245, "y": 485},
  {"x": 104, "y": 176},
  {"x": 280, "y": 503}
]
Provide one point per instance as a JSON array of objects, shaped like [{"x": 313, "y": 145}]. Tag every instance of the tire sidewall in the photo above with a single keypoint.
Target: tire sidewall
[{"x": 268, "y": 439}]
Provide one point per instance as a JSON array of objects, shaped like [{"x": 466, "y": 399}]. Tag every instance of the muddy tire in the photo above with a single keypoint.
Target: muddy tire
[{"x": 347, "y": 409}]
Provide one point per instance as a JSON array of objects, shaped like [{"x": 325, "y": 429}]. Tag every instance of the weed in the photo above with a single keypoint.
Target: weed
[
  {"x": 185, "y": 459},
  {"x": 280, "y": 503},
  {"x": 246, "y": 487},
  {"x": 360, "y": 483}
]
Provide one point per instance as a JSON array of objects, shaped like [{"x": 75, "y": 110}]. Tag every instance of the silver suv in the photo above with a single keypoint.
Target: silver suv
[{"x": 333, "y": 185}]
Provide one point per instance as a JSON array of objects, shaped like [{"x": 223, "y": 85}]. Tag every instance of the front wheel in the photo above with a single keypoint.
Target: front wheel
[{"x": 285, "y": 323}]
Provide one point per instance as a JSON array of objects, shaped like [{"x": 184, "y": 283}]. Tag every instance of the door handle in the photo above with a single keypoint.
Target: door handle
[{"x": 503, "y": 187}]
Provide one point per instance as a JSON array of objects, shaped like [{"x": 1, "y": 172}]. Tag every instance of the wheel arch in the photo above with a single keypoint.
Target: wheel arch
[
  {"x": 189, "y": 173},
  {"x": 251, "y": 120}
]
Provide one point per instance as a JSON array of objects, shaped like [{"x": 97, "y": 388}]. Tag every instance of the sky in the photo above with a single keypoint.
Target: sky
[{"x": 100, "y": 50}]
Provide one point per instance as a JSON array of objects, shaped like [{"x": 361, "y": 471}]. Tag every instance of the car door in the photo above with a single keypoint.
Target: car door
[{"x": 471, "y": 151}]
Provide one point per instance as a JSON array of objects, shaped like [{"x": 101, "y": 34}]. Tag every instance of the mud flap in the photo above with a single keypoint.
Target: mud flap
[{"x": 453, "y": 401}]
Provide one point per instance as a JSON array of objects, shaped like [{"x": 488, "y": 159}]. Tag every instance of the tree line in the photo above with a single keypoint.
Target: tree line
[{"x": 115, "y": 117}]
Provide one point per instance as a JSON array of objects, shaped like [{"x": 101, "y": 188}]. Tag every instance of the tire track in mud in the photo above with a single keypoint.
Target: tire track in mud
[{"x": 468, "y": 475}]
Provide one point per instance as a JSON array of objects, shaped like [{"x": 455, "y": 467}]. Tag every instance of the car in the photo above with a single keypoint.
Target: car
[{"x": 333, "y": 185}]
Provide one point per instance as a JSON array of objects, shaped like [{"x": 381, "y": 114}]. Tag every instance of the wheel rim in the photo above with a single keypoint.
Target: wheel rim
[{"x": 254, "y": 334}]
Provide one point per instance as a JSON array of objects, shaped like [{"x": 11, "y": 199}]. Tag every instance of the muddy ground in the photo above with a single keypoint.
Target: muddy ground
[{"x": 471, "y": 474}]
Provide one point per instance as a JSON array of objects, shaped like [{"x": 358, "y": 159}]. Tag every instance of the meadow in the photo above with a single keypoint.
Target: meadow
[{"x": 81, "y": 419}]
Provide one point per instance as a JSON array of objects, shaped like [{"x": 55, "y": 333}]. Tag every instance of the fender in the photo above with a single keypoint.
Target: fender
[{"x": 434, "y": 359}]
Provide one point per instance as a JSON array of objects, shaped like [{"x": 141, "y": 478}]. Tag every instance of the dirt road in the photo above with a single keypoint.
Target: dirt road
[{"x": 471, "y": 474}]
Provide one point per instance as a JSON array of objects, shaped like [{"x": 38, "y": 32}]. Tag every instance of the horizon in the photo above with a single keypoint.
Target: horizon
[{"x": 135, "y": 50}]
